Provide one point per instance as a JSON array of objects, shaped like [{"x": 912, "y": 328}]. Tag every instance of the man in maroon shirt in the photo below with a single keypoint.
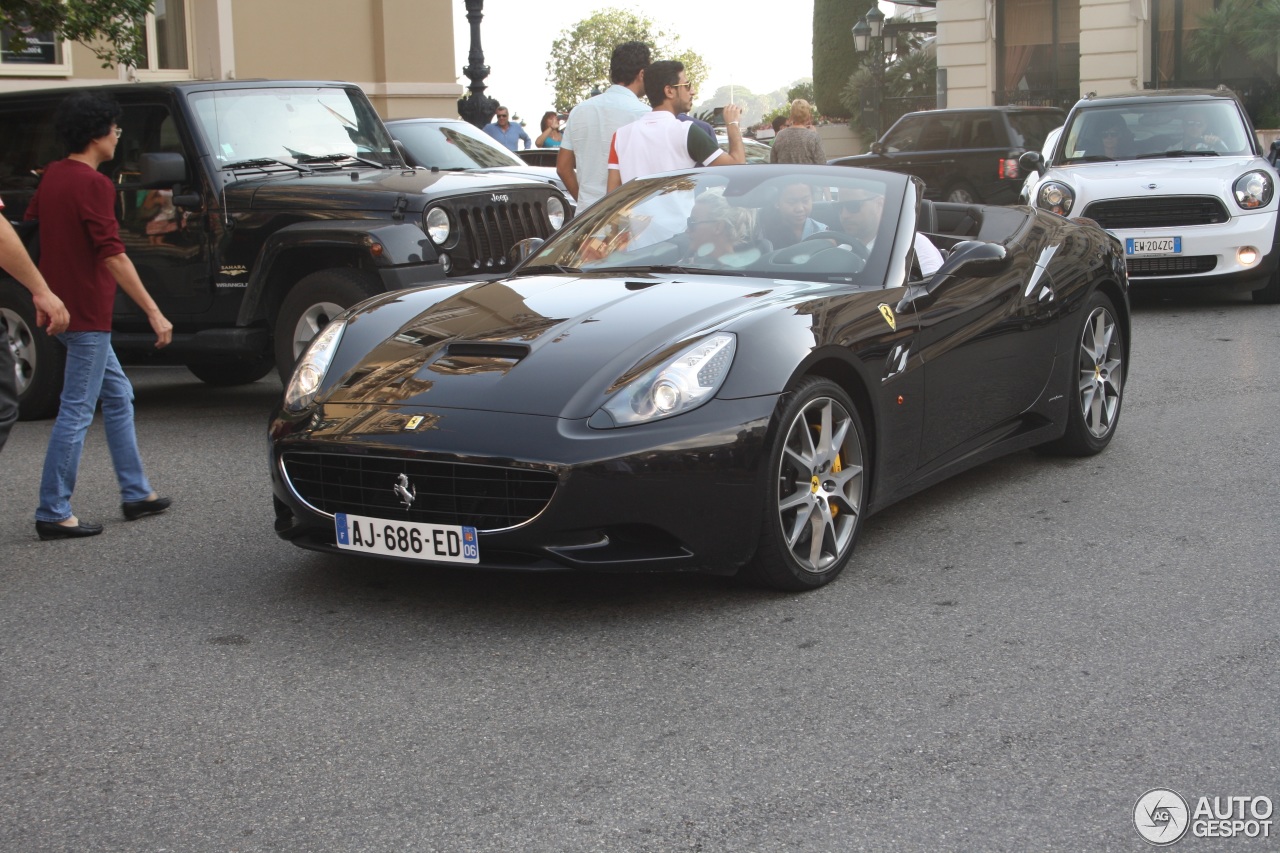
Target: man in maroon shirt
[{"x": 83, "y": 259}]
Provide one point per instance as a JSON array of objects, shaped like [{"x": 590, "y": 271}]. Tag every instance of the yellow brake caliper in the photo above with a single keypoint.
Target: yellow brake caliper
[{"x": 835, "y": 469}]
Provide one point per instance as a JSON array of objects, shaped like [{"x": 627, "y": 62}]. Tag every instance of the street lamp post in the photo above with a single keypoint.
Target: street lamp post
[
  {"x": 477, "y": 108},
  {"x": 871, "y": 38}
]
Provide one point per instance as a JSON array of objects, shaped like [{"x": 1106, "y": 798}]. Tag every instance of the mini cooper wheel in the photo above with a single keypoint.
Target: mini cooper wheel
[
  {"x": 817, "y": 489},
  {"x": 1097, "y": 383}
]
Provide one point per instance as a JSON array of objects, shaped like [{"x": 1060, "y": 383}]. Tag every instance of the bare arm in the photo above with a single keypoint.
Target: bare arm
[
  {"x": 615, "y": 181},
  {"x": 123, "y": 271},
  {"x": 565, "y": 165},
  {"x": 737, "y": 151},
  {"x": 50, "y": 312}
]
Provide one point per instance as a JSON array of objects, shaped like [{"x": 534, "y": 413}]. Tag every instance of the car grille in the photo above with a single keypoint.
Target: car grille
[
  {"x": 486, "y": 497},
  {"x": 488, "y": 230},
  {"x": 1157, "y": 212},
  {"x": 1171, "y": 266}
]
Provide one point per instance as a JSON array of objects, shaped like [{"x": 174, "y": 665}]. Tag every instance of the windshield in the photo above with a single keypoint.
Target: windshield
[
  {"x": 1154, "y": 129},
  {"x": 292, "y": 126},
  {"x": 451, "y": 145},
  {"x": 817, "y": 223}
]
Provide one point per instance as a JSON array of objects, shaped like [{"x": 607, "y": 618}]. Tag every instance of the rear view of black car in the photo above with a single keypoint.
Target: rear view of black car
[{"x": 963, "y": 155}]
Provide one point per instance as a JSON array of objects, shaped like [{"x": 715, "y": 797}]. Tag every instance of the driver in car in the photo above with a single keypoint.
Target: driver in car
[{"x": 860, "y": 212}]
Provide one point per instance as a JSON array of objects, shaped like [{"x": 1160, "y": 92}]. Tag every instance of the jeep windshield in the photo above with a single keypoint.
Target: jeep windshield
[
  {"x": 1152, "y": 129},
  {"x": 279, "y": 128}
]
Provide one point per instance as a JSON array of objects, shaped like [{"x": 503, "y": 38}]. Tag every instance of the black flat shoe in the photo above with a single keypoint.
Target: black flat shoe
[
  {"x": 54, "y": 530},
  {"x": 137, "y": 509}
]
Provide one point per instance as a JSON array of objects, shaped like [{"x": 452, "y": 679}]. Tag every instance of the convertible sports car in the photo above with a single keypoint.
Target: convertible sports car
[{"x": 724, "y": 370}]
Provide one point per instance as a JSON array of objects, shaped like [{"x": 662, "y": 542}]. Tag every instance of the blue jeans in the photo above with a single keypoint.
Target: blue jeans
[{"x": 93, "y": 375}]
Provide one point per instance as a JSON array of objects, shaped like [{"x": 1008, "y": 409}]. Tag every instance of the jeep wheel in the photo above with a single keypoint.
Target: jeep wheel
[
  {"x": 39, "y": 360},
  {"x": 224, "y": 374},
  {"x": 310, "y": 305}
]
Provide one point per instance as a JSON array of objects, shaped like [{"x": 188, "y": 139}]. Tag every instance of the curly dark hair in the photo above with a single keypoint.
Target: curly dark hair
[
  {"x": 84, "y": 117},
  {"x": 658, "y": 76},
  {"x": 627, "y": 61}
]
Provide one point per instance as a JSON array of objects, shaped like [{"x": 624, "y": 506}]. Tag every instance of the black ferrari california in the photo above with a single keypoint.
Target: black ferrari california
[{"x": 724, "y": 370}]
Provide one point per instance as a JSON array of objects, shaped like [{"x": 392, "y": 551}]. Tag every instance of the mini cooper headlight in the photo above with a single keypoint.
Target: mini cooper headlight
[
  {"x": 1055, "y": 197},
  {"x": 438, "y": 226},
  {"x": 1253, "y": 190},
  {"x": 555, "y": 213},
  {"x": 672, "y": 387},
  {"x": 311, "y": 368}
]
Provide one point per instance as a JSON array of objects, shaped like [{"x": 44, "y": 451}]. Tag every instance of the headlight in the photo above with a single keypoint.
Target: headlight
[
  {"x": 675, "y": 386},
  {"x": 1253, "y": 190},
  {"x": 555, "y": 213},
  {"x": 1055, "y": 197},
  {"x": 311, "y": 368},
  {"x": 438, "y": 226}
]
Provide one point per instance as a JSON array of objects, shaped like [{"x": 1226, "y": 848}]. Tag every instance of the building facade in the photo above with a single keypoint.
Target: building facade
[
  {"x": 399, "y": 51},
  {"x": 1055, "y": 51}
]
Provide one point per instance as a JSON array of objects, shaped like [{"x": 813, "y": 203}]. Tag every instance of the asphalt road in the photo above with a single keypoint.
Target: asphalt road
[{"x": 1014, "y": 657}]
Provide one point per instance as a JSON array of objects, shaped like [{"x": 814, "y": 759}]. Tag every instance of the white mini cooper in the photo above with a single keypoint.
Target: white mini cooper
[{"x": 1179, "y": 177}]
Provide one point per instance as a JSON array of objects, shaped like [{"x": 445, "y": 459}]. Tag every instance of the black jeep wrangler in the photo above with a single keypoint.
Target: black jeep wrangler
[{"x": 254, "y": 211}]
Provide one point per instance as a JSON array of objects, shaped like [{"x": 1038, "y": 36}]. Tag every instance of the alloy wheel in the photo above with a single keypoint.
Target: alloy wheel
[
  {"x": 1101, "y": 372},
  {"x": 21, "y": 346},
  {"x": 820, "y": 484}
]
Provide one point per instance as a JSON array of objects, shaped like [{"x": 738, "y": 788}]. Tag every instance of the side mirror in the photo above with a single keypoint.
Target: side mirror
[
  {"x": 877, "y": 148},
  {"x": 521, "y": 251},
  {"x": 162, "y": 169},
  {"x": 1030, "y": 161},
  {"x": 971, "y": 258},
  {"x": 1275, "y": 152}
]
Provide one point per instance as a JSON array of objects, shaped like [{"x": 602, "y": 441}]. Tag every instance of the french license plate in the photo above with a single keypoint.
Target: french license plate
[
  {"x": 1152, "y": 245},
  {"x": 443, "y": 543}
]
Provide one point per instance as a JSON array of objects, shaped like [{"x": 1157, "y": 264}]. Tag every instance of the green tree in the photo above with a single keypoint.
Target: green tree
[
  {"x": 580, "y": 55},
  {"x": 912, "y": 73},
  {"x": 107, "y": 27},
  {"x": 834, "y": 58},
  {"x": 801, "y": 89}
]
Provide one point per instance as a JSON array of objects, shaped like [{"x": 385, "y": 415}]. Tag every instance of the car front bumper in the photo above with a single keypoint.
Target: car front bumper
[{"x": 684, "y": 494}]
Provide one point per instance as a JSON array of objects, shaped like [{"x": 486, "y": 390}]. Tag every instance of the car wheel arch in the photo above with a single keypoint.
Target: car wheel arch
[{"x": 836, "y": 365}]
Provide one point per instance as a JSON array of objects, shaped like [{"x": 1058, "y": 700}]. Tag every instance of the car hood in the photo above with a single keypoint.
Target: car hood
[
  {"x": 365, "y": 189},
  {"x": 544, "y": 345},
  {"x": 1165, "y": 176}
]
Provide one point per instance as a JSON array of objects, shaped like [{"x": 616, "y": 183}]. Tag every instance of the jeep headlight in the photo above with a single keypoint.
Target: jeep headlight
[
  {"x": 555, "y": 213},
  {"x": 1055, "y": 197},
  {"x": 438, "y": 225},
  {"x": 309, "y": 373},
  {"x": 1253, "y": 190},
  {"x": 673, "y": 386}
]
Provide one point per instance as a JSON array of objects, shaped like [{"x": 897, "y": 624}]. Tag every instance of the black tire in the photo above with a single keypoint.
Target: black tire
[
  {"x": 310, "y": 305},
  {"x": 1269, "y": 295},
  {"x": 815, "y": 486},
  {"x": 962, "y": 193},
  {"x": 1096, "y": 386},
  {"x": 225, "y": 374},
  {"x": 40, "y": 360}
]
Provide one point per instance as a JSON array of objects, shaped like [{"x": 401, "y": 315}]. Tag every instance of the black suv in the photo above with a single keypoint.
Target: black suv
[
  {"x": 255, "y": 212},
  {"x": 962, "y": 155}
]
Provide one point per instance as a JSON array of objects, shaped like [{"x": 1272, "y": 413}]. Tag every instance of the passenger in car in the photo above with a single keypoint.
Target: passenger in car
[
  {"x": 789, "y": 222},
  {"x": 719, "y": 232},
  {"x": 1198, "y": 133}
]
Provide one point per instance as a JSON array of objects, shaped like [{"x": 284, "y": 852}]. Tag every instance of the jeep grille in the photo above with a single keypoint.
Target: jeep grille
[{"x": 488, "y": 230}]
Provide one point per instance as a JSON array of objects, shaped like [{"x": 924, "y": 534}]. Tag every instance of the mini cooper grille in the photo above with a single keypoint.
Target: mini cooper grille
[
  {"x": 480, "y": 496},
  {"x": 1171, "y": 266},
  {"x": 488, "y": 231},
  {"x": 1157, "y": 212}
]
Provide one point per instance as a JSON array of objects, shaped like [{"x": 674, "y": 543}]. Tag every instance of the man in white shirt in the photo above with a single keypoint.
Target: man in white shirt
[
  {"x": 860, "y": 217},
  {"x": 659, "y": 142},
  {"x": 584, "y": 149}
]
